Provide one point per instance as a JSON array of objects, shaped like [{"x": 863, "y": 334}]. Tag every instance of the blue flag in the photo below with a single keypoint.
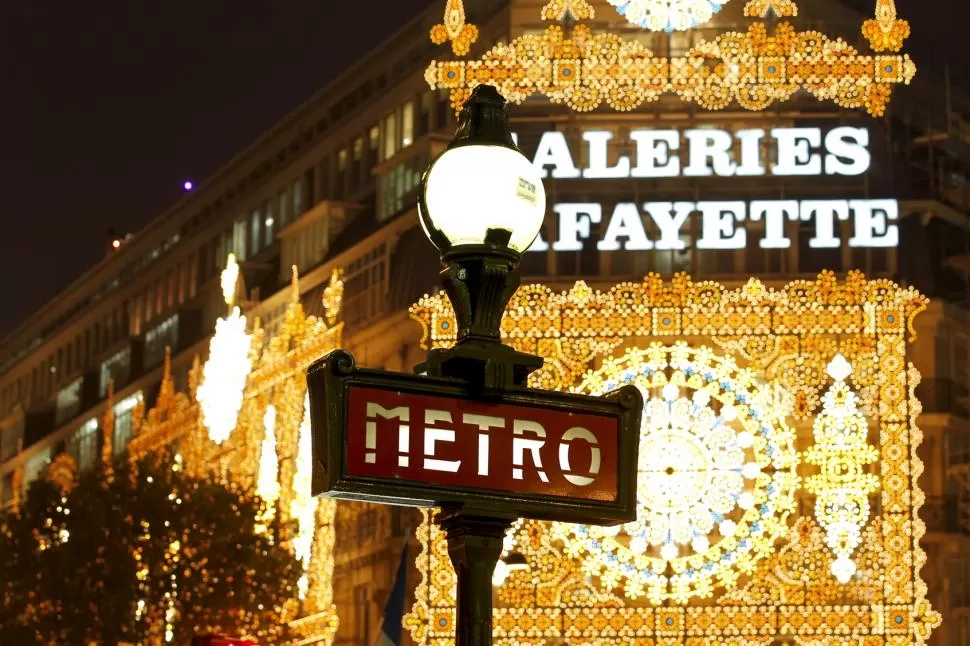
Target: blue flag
[{"x": 390, "y": 634}]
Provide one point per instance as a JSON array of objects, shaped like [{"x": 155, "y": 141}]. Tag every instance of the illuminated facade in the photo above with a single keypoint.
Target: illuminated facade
[{"x": 781, "y": 183}]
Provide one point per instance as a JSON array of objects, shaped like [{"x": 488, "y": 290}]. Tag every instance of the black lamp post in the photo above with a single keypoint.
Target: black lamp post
[{"x": 482, "y": 204}]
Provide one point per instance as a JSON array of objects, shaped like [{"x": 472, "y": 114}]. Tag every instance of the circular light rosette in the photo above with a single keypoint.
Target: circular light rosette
[
  {"x": 667, "y": 15},
  {"x": 716, "y": 477}
]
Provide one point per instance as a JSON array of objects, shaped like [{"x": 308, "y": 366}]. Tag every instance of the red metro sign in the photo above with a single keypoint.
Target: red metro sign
[{"x": 424, "y": 441}]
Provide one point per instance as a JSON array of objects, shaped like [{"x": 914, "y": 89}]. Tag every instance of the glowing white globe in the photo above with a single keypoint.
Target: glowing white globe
[{"x": 482, "y": 194}]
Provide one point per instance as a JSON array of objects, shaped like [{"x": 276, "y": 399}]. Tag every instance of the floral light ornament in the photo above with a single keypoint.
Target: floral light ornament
[
  {"x": 224, "y": 375},
  {"x": 667, "y": 15},
  {"x": 841, "y": 452},
  {"x": 716, "y": 477}
]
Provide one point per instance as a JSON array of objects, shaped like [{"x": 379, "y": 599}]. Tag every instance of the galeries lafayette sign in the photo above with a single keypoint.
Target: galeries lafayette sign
[
  {"x": 707, "y": 152},
  {"x": 423, "y": 441}
]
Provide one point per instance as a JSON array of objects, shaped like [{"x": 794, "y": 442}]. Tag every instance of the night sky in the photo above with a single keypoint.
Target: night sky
[{"x": 108, "y": 106}]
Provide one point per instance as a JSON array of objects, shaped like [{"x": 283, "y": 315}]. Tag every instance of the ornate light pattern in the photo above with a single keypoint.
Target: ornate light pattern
[
  {"x": 761, "y": 8},
  {"x": 454, "y": 28},
  {"x": 272, "y": 412},
  {"x": 224, "y": 375},
  {"x": 841, "y": 452},
  {"x": 667, "y": 15},
  {"x": 717, "y": 477},
  {"x": 267, "y": 478},
  {"x": 787, "y": 335},
  {"x": 304, "y": 504},
  {"x": 756, "y": 68}
]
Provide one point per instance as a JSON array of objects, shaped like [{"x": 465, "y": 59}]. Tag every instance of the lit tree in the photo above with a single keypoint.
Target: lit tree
[{"x": 142, "y": 553}]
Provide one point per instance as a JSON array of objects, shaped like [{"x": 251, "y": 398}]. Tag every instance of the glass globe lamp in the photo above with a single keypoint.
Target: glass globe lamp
[{"x": 482, "y": 191}]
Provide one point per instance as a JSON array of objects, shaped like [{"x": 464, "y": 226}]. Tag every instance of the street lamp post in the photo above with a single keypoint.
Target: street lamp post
[
  {"x": 465, "y": 433},
  {"x": 482, "y": 204}
]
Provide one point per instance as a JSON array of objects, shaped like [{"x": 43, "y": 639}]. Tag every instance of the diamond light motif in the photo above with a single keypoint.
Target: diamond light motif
[
  {"x": 716, "y": 477},
  {"x": 667, "y": 15}
]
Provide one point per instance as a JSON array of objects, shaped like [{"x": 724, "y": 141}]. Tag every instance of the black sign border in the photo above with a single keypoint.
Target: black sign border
[{"x": 329, "y": 380}]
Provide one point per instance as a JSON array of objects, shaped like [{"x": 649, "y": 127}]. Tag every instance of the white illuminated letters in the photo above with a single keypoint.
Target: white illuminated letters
[
  {"x": 774, "y": 212},
  {"x": 719, "y": 225},
  {"x": 599, "y": 155},
  {"x": 574, "y": 222},
  {"x": 625, "y": 223},
  {"x": 554, "y": 151},
  {"x": 656, "y": 153},
  {"x": 795, "y": 156},
  {"x": 669, "y": 218},
  {"x": 872, "y": 223},
  {"x": 825, "y": 212},
  {"x": 848, "y": 151},
  {"x": 707, "y": 152},
  {"x": 713, "y": 145}
]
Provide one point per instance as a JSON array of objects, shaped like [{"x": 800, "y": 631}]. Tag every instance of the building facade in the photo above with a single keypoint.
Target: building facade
[{"x": 780, "y": 194}]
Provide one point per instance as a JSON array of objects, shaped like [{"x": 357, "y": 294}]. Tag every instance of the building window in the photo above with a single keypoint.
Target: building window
[
  {"x": 165, "y": 334},
  {"x": 159, "y": 303},
  {"x": 374, "y": 137},
  {"x": 297, "y": 198},
  {"x": 117, "y": 368},
  {"x": 35, "y": 465},
  {"x": 342, "y": 160},
  {"x": 284, "y": 214},
  {"x": 254, "y": 233},
  {"x": 181, "y": 283},
  {"x": 365, "y": 286},
  {"x": 83, "y": 446},
  {"x": 238, "y": 245},
  {"x": 407, "y": 124},
  {"x": 122, "y": 429},
  {"x": 399, "y": 185},
  {"x": 68, "y": 403},
  {"x": 358, "y": 148},
  {"x": 390, "y": 135},
  {"x": 269, "y": 222}
]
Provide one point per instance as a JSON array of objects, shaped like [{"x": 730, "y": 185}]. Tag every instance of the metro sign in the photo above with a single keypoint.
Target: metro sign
[{"x": 425, "y": 441}]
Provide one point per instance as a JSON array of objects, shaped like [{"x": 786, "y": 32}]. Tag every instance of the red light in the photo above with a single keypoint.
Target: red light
[{"x": 116, "y": 244}]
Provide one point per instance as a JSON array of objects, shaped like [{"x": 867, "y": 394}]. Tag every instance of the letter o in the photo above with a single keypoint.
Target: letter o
[{"x": 579, "y": 433}]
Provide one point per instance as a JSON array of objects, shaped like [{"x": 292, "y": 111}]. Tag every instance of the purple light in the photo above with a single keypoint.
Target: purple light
[{"x": 188, "y": 185}]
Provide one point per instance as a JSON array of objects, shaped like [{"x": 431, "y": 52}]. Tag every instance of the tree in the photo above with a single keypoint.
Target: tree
[{"x": 142, "y": 553}]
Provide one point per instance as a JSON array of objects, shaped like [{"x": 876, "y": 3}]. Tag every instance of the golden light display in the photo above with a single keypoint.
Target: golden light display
[
  {"x": 585, "y": 69},
  {"x": 268, "y": 447},
  {"x": 842, "y": 454},
  {"x": 716, "y": 479},
  {"x": 774, "y": 346},
  {"x": 224, "y": 374}
]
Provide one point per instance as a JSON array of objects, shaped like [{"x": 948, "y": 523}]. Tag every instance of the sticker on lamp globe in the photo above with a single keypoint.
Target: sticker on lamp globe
[{"x": 526, "y": 190}]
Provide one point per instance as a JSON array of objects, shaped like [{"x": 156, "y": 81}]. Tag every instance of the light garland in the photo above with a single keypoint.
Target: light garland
[
  {"x": 667, "y": 15},
  {"x": 786, "y": 335},
  {"x": 304, "y": 506},
  {"x": 716, "y": 482},
  {"x": 267, "y": 479},
  {"x": 841, "y": 452},
  {"x": 584, "y": 69},
  {"x": 220, "y": 394}
]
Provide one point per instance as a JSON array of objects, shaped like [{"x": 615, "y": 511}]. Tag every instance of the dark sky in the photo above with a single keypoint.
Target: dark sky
[{"x": 107, "y": 106}]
